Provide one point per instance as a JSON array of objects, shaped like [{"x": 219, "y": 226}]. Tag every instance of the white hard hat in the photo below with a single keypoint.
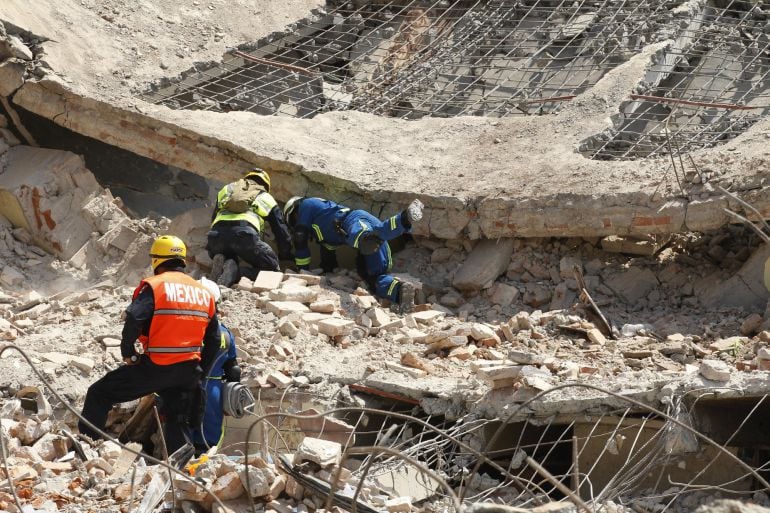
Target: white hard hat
[{"x": 212, "y": 287}]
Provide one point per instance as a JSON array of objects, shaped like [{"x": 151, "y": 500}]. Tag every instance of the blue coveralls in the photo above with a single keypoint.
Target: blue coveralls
[
  {"x": 213, "y": 416},
  {"x": 318, "y": 219}
]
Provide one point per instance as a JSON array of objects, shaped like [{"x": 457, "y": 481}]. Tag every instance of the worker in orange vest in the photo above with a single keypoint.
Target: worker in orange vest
[{"x": 174, "y": 318}]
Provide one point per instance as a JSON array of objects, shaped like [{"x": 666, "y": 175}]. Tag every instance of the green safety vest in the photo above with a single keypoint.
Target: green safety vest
[{"x": 260, "y": 209}]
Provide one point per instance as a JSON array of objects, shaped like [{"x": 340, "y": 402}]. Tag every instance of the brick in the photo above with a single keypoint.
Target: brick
[
  {"x": 284, "y": 308},
  {"x": 267, "y": 280},
  {"x": 335, "y": 326}
]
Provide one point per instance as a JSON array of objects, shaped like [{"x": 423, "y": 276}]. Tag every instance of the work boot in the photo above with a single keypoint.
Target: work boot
[
  {"x": 229, "y": 273},
  {"x": 414, "y": 211},
  {"x": 406, "y": 298},
  {"x": 217, "y": 264}
]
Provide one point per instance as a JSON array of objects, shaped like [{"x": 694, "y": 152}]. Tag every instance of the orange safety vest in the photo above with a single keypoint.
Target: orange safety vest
[{"x": 183, "y": 309}]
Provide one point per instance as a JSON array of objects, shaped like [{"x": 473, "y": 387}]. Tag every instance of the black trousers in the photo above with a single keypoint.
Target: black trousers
[
  {"x": 174, "y": 383},
  {"x": 244, "y": 242}
]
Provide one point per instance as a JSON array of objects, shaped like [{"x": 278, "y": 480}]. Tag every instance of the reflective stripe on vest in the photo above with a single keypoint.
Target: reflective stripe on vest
[
  {"x": 161, "y": 349},
  {"x": 183, "y": 308}
]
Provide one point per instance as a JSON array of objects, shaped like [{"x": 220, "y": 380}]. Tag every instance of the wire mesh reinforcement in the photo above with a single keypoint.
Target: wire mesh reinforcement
[
  {"x": 428, "y": 58},
  {"x": 709, "y": 85},
  {"x": 635, "y": 455}
]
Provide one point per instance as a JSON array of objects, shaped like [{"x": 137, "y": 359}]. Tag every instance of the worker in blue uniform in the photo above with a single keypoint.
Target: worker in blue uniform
[
  {"x": 225, "y": 369},
  {"x": 332, "y": 225}
]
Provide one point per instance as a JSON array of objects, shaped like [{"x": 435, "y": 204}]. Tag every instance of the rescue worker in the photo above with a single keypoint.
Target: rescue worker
[
  {"x": 332, "y": 225},
  {"x": 172, "y": 315},
  {"x": 225, "y": 369},
  {"x": 238, "y": 235}
]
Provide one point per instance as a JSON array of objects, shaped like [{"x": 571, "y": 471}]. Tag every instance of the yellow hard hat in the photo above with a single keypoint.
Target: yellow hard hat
[
  {"x": 167, "y": 247},
  {"x": 261, "y": 175}
]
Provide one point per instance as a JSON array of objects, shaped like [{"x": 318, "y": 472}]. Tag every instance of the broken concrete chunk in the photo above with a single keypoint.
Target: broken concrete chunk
[
  {"x": 633, "y": 284},
  {"x": 260, "y": 480},
  {"x": 228, "y": 486},
  {"x": 504, "y": 294},
  {"x": 481, "y": 331},
  {"x": 294, "y": 293},
  {"x": 10, "y": 277},
  {"x": 18, "y": 49},
  {"x": 267, "y": 280},
  {"x": 11, "y": 77},
  {"x": 525, "y": 358},
  {"x": 322, "y": 452},
  {"x": 715, "y": 370},
  {"x": 488, "y": 260}
]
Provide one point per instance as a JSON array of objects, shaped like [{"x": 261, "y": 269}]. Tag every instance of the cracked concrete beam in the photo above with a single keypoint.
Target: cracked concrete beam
[{"x": 550, "y": 213}]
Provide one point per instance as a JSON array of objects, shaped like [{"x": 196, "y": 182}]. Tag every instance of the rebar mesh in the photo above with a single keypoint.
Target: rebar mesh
[
  {"x": 496, "y": 58},
  {"x": 711, "y": 84},
  {"x": 417, "y": 58}
]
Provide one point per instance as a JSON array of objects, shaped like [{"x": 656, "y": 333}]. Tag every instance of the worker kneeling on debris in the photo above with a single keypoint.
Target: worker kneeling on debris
[
  {"x": 332, "y": 225},
  {"x": 224, "y": 393},
  {"x": 172, "y": 315},
  {"x": 238, "y": 222}
]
